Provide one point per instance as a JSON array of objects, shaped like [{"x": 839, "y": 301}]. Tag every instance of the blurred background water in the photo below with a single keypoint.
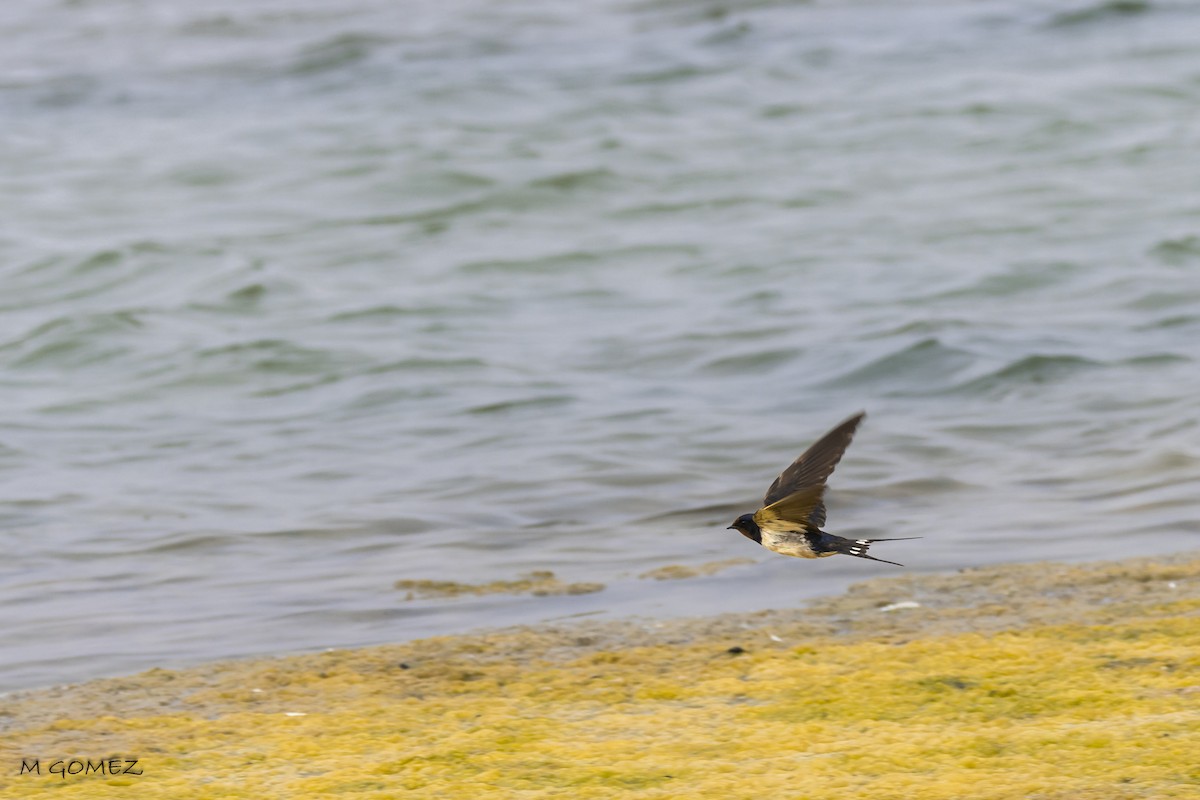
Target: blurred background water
[{"x": 301, "y": 298}]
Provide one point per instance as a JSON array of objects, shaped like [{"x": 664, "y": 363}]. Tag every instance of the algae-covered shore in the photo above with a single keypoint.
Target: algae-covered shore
[{"x": 1026, "y": 681}]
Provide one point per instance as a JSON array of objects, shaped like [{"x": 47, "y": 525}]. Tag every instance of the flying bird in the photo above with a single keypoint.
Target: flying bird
[{"x": 794, "y": 509}]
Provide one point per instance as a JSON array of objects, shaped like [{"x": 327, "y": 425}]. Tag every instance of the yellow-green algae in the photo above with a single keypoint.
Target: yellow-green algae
[
  {"x": 958, "y": 698},
  {"x": 674, "y": 572},
  {"x": 540, "y": 583}
]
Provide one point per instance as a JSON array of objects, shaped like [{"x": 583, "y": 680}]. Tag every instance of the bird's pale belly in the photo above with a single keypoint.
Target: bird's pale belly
[{"x": 790, "y": 543}]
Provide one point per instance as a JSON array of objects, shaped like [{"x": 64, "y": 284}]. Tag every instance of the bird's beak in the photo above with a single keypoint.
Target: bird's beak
[{"x": 731, "y": 528}]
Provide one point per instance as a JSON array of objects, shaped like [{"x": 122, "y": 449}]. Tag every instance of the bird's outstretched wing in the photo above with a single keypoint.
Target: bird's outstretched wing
[
  {"x": 817, "y": 463},
  {"x": 798, "y": 508}
]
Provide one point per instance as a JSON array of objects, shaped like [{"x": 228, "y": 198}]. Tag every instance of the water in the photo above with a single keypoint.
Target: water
[{"x": 298, "y": 299}]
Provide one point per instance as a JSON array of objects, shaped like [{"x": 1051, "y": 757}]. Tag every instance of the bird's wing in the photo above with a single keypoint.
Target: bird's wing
[
  {"x": 798, "y": 508},
  {"x": 817, "y": 517},
  {"x": 816, "y": 465}
]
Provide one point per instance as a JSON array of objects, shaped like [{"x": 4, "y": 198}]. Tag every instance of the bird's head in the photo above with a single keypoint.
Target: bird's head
[{"x": 746, "y": 526}]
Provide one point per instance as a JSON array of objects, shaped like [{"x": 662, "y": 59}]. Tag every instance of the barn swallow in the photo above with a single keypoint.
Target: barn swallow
[{"x": 794, "y": 509}]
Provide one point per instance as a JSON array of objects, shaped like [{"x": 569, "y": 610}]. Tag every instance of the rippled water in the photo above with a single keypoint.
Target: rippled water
[{"x": 298, "y": 299}]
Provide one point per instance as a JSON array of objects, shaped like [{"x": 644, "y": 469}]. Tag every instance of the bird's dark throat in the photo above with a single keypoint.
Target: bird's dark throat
[{"x": 746, "y": 526}]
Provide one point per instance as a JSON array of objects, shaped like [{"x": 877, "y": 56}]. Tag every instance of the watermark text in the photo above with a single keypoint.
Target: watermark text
[{"x": 62, "y": 767}]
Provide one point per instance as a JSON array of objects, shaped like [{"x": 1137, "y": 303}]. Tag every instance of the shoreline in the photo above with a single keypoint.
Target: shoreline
[{"x": 623, "y": 674}]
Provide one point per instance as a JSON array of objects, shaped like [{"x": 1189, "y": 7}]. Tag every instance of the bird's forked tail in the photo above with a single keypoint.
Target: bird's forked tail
[{"x": 858, "y": 547}]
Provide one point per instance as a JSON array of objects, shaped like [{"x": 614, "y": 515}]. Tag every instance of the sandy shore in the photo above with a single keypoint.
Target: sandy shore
[{"x": 1037, "y": 680}]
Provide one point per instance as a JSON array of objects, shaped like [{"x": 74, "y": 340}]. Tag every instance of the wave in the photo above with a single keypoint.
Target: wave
[
  {"x": 1049, "y": 369},
  {"x": 74, "y": 341},
  {"x": 1033, "y": 369},
  {"x": 557, "y": 261},
  {"x": 339, "y": 51},
  {"x": 1183, "y": 250},
  {"x": 521, "y": 404},
  {"x": 1108, "y": 10},
  {"x": 273, "y": 356},
  {"x": 926, "y": 366},
  {"x": 752, "y": 363}
]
